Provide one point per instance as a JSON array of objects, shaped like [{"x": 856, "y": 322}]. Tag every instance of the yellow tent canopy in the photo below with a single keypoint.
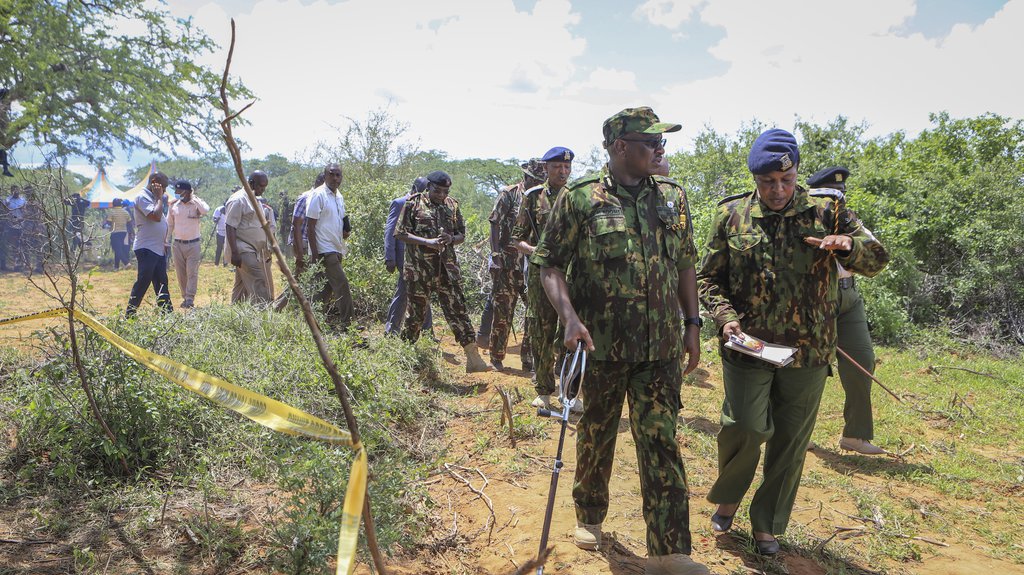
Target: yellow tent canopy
[{"x": 137, "y": 189}]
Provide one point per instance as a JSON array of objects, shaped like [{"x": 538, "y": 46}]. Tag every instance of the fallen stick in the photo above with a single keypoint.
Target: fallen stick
[
  {"x": 868, "y": 373},
  {"x": 937, "y": 367},
  {"x": 480, "y": 493}
]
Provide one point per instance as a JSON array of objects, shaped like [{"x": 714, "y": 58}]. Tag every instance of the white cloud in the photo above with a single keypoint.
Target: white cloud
[
  {"x": 464, "y": 74},
  {"x": 817, "y": 60},
  {"x": 670, "y": 14}
]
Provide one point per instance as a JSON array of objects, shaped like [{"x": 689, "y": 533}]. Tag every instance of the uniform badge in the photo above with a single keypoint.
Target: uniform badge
[
  {"x": 839, "y": 178},
  {"x": 786, "y": 162},
  {"x": 671, "y": 205},
  {"x": 566, "y": 156}
]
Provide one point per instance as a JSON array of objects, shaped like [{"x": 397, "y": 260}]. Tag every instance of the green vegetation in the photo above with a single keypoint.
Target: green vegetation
[
  {"x": 944, "y": 204},
  {"x": 177, "y": 442},
  {"x": 74, "y": 79}
]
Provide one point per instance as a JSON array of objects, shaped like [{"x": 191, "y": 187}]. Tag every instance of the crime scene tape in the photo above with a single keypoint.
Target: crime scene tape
[{"x": 267, "y": 412}]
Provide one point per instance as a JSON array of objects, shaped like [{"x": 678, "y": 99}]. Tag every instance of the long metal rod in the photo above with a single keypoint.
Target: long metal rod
[{"x": 555, "y": 472}]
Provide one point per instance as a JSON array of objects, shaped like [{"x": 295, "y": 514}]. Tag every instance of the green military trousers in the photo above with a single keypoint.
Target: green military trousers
[
  {"x": 542, "y": 328},
  {"x": 775, "y": 407},
  {"x": 652, "y": 392},
  {"x": 855, "y": 339},
  {"x": 506, "y": 286}
]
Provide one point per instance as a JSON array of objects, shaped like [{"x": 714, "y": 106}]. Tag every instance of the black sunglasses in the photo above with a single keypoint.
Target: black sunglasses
[{"x": 651, "y": 144}]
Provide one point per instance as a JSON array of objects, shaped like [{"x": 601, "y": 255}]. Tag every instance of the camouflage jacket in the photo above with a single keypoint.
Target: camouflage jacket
[
  {"x": 506, "y": 208},
  {"x": 622, "y": 255},
  {"x": 759, "y": 271},
  {"x": 423, "y": 218},
  {"x": 533, "y": 214}
]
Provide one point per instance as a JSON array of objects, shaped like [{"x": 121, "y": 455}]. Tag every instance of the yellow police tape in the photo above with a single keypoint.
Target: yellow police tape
[{"x": 259, "y": 408}]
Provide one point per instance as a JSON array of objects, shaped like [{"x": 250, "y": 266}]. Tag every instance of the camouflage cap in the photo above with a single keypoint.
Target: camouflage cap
[
  {"x": 635, "y": 120},
  {"x": 535, "y": 169}
]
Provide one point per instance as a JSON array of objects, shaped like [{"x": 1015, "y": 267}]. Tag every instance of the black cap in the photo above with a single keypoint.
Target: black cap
[
  {"x": 440, "y": 178},
  {"x": 183, "y": 185},
  {"x": 419, "y": 184},
  {"x": 828, "y": 176}
]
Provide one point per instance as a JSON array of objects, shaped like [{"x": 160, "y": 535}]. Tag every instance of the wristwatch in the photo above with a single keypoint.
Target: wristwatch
[{"x": 693, "y": 321}]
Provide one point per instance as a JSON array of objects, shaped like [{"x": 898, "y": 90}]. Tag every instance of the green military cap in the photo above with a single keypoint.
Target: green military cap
[{"x": 635, "y": 120}]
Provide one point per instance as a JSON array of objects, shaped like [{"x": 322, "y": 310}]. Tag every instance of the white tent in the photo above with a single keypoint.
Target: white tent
[{"x": 100, "y": 192}]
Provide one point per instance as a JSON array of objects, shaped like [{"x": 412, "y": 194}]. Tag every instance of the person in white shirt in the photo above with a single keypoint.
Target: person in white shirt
[
  {"x": 219, "y": 220},
  {"x": 183, "y": 227},
  {"x": 327, "y": 227}
]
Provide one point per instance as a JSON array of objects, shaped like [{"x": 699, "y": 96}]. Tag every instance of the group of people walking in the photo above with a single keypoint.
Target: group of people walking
[
  {"x": 609, "y": 262},
  {"x": 613, "y": 259}
]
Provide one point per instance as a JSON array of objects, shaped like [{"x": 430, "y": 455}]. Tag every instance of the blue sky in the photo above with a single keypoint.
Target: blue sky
[{"x": 512, "y": 78}]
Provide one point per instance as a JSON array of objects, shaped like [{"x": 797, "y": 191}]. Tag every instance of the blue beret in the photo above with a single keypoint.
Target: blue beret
[
  {"x": 773, "y": 151},
  {"x": 828, "y": 176},
  {"x": 419, "y": 184},
  {"x": 558, "y": 154},
  {"x": 440, "y": 178}
]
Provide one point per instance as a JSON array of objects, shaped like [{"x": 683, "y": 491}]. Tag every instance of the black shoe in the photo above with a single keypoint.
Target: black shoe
[
  {"x": 767, "y": 548},
  {"x": 498, "y": 365},
  {"x": 721, "y": 523},
  {"x": 7, "y": 172}
]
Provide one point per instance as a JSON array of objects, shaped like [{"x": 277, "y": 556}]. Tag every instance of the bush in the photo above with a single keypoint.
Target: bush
[{"x": 164, "y": 430}]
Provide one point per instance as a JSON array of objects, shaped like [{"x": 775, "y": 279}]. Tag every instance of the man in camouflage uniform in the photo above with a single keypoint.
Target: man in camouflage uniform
[
  {"x": 432, "y": 225},
  {"x": 853, "y": 335},
  {"x": 506, "y": 265},
  {"x": 771, "y": 262},
  {"x": 633, "y": 274},
  {"x": 541, "y": 318}
]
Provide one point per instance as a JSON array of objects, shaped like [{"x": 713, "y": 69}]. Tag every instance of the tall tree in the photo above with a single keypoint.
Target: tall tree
[{"x": 88, "y": 77}]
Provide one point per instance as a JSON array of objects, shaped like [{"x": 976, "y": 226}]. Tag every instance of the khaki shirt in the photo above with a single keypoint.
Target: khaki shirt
[{"x": 239, "y": 214}]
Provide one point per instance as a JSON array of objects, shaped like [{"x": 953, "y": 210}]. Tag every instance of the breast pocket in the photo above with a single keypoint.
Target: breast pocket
[
  {"x": 673, "y": 236},
  {"x": 608, "y": 237}
]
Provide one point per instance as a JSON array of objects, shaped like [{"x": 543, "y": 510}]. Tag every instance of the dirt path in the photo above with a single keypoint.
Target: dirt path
[{"x": 518, "y": 481}]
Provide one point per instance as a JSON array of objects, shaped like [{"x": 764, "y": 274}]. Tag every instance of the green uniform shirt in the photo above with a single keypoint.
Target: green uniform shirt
[
  {"x": 759, "y": 271},
  {"x": 533, "y": 213},
  {"x": 423, "y": 218},
  {"x": 504, "y": 214},
  {"x": 622, "y": 254}
]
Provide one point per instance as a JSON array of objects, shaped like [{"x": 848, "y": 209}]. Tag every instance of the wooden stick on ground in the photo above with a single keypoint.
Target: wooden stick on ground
[
  {"x": 868, "y": 373},
  {"x": 340, "y": 389}
]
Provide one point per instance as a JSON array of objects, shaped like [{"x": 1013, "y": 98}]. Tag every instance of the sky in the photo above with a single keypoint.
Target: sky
[{"x": 512, "y": 78}]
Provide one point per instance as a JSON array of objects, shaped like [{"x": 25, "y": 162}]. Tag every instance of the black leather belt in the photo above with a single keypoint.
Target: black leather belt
[
  {"x": 846, "y": 283},
  {"x": 194, "y": 241}
]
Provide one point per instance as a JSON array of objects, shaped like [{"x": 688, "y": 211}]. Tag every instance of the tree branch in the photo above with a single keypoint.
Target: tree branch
[{"x": 340, "y": 389}]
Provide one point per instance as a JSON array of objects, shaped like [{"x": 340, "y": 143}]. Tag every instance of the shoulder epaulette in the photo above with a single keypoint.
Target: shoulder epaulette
[
  {"x": 728, "y": 199},
  {"x": 833, "y": 193},
  {"x": 667, "y": 180},
  {"x": 585, "y": 181},
  {"x": 534, "y": 189}
]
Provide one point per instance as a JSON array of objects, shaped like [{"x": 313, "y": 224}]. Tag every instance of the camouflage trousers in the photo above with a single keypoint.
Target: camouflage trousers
[
  {"x": 506, "y": 285},
  {"x": 452, "y": 301},
  {"x": 542, "y": 325},
  {"x": 652, "y": 392}
]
